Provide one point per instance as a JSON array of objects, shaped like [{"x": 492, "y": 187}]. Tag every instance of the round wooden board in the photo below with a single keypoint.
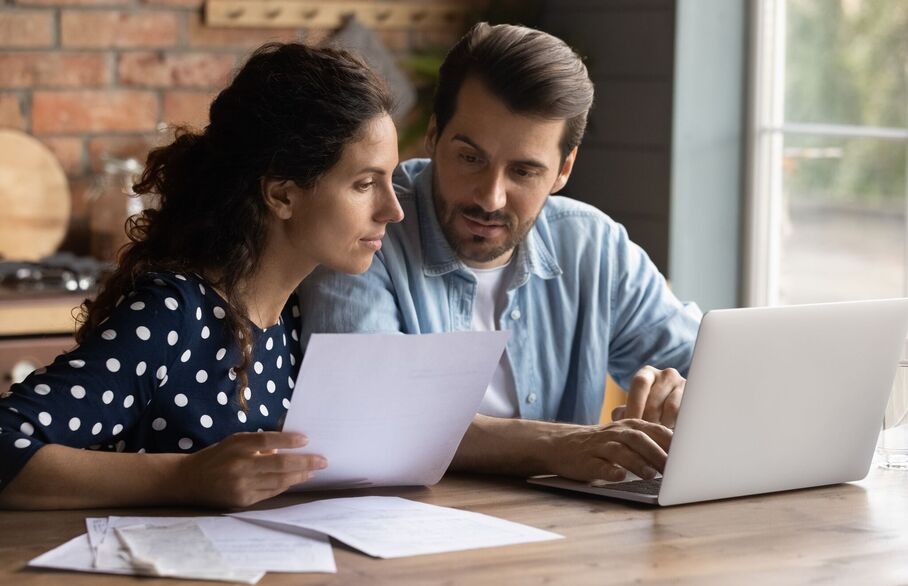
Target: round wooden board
[{"x": 34, "y": 198}]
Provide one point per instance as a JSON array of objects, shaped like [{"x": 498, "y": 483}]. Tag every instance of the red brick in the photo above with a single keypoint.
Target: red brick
[
  {"x": 68, "y": 151},
  {"x": 193, "y": 4},
  {"x": 93, "y": 111},
  {"x": 187, "y": 108},
  {"x": 202, "y": 35},
  {"x": 11, "y": 112},
  {"x": 23, "y": 70},
  {"x": 104, "y": 29},
  {"x": 200, "y": 70},
  {"x": 32, "y": 28},
  {"x": 123, "y": 147},
  {"x": 72, "y": 2}
]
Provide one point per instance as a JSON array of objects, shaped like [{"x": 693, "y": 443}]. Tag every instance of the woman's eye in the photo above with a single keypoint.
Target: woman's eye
[{"x": 365, "y": 186}]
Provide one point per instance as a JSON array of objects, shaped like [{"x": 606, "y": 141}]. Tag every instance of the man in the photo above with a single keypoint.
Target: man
[{"x": 484, "y": 246}]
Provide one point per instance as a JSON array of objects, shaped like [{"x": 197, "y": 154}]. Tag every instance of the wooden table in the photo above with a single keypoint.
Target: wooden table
[{"x": 849, "y": 533}]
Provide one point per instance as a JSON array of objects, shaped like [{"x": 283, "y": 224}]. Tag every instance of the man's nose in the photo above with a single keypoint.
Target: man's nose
[{"x": 490, "y": 194}]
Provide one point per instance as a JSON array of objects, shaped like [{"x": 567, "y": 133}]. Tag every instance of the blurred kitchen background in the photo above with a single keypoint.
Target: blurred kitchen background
[{"x": 756, "y": 149}]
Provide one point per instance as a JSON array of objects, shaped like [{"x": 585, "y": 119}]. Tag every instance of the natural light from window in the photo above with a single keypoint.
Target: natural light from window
[{"x": 830, "y": 128}]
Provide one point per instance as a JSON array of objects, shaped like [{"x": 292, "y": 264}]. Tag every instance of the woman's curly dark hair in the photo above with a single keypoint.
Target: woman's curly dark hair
[{"x": 287, "y": 115}]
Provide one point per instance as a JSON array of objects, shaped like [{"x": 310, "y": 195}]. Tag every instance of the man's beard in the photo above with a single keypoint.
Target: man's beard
[{"x": 448, "y": 215}]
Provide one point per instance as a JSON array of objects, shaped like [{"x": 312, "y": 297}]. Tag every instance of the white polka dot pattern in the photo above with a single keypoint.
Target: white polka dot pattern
[{"x": 109, "y": 392}]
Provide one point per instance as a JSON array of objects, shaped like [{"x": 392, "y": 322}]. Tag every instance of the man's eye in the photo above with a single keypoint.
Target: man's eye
[
  {"x": 524, "y": 173},
  {"x": 467, "y": 158}
]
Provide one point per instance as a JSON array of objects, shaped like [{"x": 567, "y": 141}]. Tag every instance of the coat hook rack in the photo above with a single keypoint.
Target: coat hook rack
[{"x": 393, "y": 14}]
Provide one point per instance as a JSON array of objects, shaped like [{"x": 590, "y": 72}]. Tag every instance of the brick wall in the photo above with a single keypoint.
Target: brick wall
[{"x": 95, "y": 77}]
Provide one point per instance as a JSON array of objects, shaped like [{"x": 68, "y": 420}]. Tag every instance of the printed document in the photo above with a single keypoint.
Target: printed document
[
  {"x": 389, "y": 409},
  {"x": 391, "y": 527}
]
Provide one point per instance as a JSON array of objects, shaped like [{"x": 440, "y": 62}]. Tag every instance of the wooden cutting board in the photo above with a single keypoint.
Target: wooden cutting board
[{"x": 34, "y": 198}]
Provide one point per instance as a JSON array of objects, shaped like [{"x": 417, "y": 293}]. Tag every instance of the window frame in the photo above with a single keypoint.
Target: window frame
[{"x": 766, "y": 131}]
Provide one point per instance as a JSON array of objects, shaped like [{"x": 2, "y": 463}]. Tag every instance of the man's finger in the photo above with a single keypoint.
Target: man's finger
[
  {"x": 671, "y": 407},
  {"x": 638, "y": 392},
  {"x": 656, "y": 431},
  {"x": 618, "y": 412},
  {"x": 639, "y": 443},
  {"x": 629, "y": 459}
]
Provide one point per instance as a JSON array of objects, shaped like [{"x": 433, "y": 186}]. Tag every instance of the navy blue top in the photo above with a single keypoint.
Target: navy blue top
[{"x": 156, "y": 376}]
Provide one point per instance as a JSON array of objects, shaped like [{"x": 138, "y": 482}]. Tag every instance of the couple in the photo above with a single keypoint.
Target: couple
[{"x": 188, "y": 355}]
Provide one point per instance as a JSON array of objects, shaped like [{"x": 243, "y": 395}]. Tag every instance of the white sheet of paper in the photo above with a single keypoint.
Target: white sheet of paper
[
  {"x": 247, "y": 546},
  {"x": 390, "y": 527},
  {"x": 75, "y": 555},
  {"x": 389, "y": 409},
  {"x": 179, "y": 550}
]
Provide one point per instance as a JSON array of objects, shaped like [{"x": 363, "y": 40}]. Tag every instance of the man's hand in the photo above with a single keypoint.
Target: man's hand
[
  {"x": 245, "y": 468},
  {"x": 655, "y": 395},
  {"x": 593, "y": 452}
]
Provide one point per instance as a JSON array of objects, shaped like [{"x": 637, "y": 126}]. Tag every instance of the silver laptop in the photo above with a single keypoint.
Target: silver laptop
[{"x": 777, "y": 398}]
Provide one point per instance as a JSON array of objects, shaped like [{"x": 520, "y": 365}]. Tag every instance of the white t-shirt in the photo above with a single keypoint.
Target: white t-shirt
[{"x": 500, "y": 399}]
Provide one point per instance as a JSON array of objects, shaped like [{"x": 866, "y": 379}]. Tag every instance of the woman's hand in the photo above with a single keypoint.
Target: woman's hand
[{"x": 246, "y": 468}]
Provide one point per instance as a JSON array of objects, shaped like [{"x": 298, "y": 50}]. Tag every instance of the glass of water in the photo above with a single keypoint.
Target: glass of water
[{"x": 892, "y": 448}]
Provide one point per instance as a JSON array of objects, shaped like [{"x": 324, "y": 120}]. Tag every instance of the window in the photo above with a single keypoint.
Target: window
[{"x": 829, "y": 152}]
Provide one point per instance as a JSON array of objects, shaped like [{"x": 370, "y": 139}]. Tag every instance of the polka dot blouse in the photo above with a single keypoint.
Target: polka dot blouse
[{"x": 156, "y": 376}]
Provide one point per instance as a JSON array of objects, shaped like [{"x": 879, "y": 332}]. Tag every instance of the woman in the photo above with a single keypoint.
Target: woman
[{"x": 192, "y": 343}]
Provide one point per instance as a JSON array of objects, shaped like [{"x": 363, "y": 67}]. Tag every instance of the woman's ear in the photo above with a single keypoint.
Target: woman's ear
[{"x": 278, "y": 196}]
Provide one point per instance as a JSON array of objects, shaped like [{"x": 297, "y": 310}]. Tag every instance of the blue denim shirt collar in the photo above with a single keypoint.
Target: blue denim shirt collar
[{"x": 534, "y": 254}]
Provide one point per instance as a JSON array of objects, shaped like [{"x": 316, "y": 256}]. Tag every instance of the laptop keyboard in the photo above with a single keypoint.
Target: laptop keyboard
[{"x": 650, "y": 487}]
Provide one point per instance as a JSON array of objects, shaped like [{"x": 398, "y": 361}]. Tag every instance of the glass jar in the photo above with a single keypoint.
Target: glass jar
[{"x": 111, "y": 201}]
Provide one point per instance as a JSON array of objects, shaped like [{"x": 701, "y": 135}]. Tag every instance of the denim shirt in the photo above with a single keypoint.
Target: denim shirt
[{"x": 582, "y": 302}]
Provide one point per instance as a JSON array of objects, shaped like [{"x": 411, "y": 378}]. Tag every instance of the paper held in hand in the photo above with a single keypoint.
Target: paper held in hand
[{"x": 389, "y": 409}]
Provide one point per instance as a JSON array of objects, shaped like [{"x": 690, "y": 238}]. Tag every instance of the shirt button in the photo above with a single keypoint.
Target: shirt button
[
  {"x": 531, "y": 398},
  {"x": 515, "y": 315}
]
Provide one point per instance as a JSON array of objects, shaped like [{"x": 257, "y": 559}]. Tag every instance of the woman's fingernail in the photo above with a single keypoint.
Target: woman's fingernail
[{"x": 649, "y": 473}]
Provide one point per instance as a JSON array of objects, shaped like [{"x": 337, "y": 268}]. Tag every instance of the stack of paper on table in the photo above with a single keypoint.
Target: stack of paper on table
[
  {"x": 121, "y": 545},
  {"x": 243, "y": 546}
]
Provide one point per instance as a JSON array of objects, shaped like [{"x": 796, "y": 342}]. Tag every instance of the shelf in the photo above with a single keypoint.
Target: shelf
[{"x": 396, "y": 14}]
